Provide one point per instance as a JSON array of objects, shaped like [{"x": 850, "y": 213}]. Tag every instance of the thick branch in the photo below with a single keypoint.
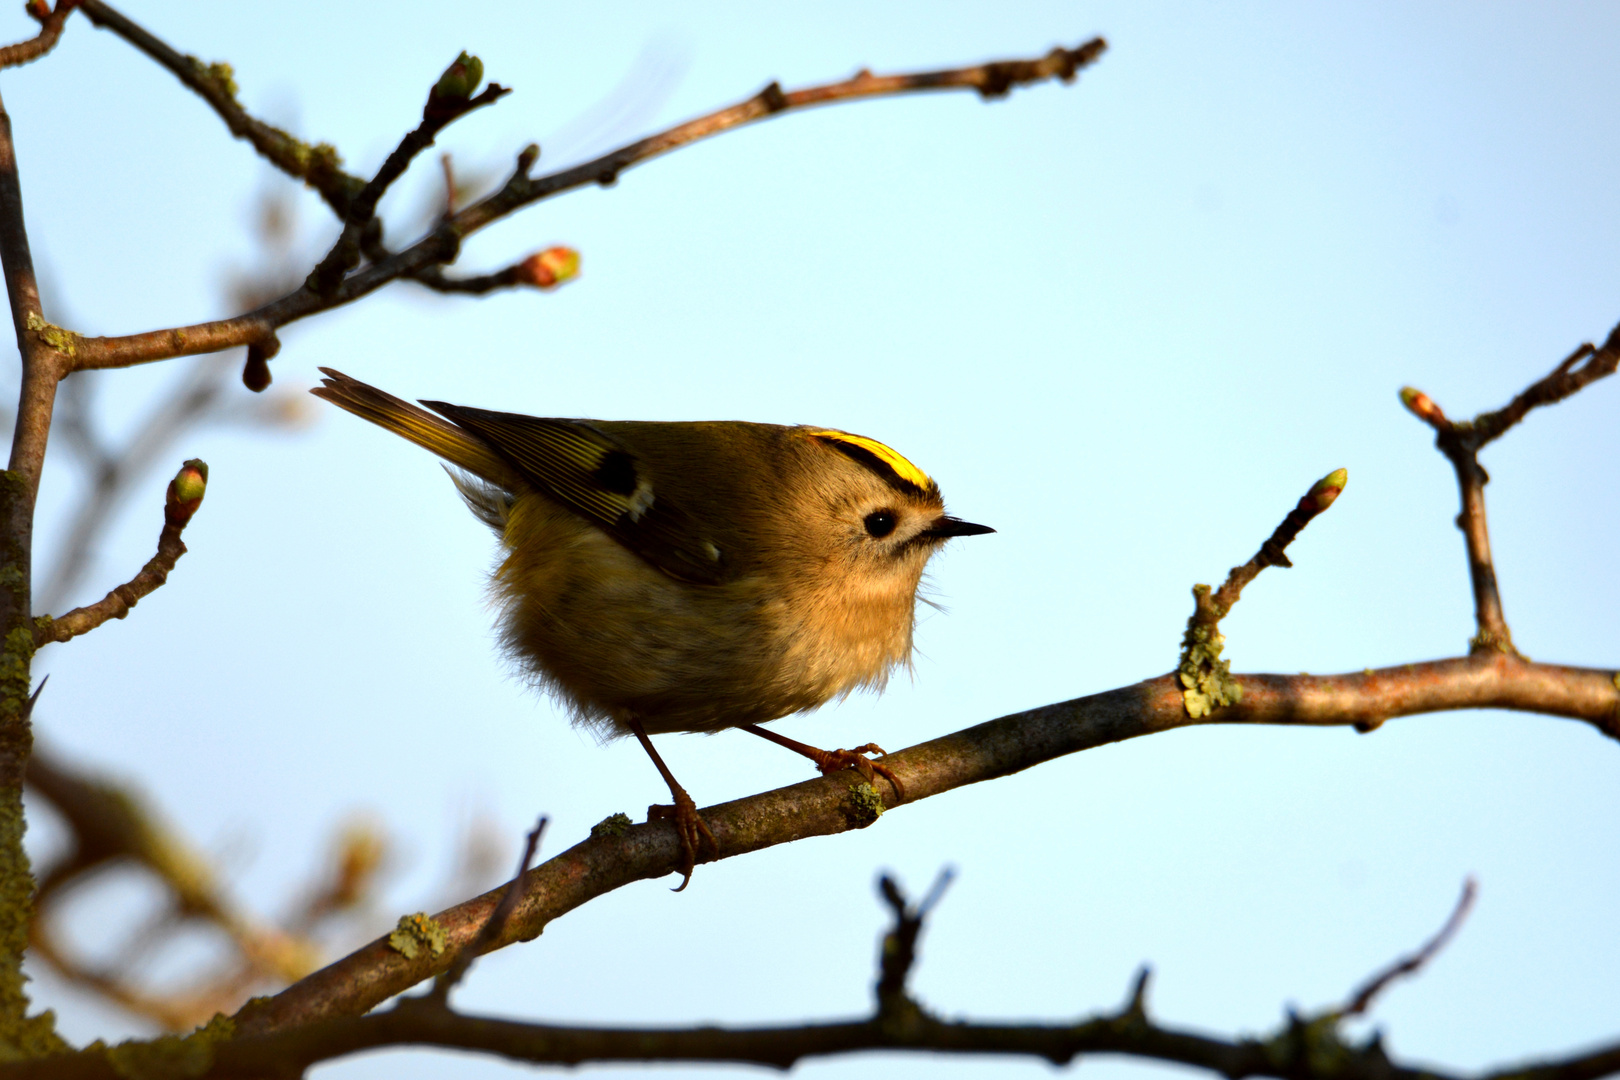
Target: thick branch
[
  {"x": 184, "y": 496},
  {"x": 828, "y": 805},
  {"x": 37, "y": 46},
  {"x": 43, "y": 363},
  {"x": 442, "y": 245},
  {"x": 1300, "y": 1051},
  {"x": 318, "y": 166}
]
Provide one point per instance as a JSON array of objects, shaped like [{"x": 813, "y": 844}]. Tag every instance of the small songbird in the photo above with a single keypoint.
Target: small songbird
[{"x": 689, "y": 576}]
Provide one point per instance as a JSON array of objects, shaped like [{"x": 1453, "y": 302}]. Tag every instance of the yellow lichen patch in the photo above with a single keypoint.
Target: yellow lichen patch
[
  {"x": 1206, "y": 679},
  {"x": 865, "y": 805},
  {"x": 415, "y": 932},
  {"x": 63, "y": 341},
  {"x": 612, "y": 825}
]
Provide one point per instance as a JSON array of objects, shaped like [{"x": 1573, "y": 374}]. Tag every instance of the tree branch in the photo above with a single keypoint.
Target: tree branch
[
  {"x": 184, "y": 496},
  {"x": 42, "y": 348},
  {"x": 1302, "y": 1048},
  {"x": 50, "y": 29},
  {"x": 1206, "y": 679},
  {"x": 617, "y": 856},
  {"x": 1461, "y": 441},
  {"x": 444, "y": 107},
  {"x": 444, "y": 242},
  {"x": 491, "y": 930},
  {"x": 1409, "y": 965},
  {"x": 318, "y": 166}
]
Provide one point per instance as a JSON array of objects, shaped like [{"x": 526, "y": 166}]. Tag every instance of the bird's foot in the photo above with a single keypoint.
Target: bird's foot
[
  {"x": 689, "y": 829},
  {"x": 831, "y": 761}
]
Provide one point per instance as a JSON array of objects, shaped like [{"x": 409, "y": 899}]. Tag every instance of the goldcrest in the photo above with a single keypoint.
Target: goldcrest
[{"x": 667, "y": 577}]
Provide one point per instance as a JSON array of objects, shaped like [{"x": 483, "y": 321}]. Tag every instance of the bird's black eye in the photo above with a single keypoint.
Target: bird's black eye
[{"x": 880, "y": 523}]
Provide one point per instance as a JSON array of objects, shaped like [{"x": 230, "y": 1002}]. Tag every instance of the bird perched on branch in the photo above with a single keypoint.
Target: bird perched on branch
[{"x": 689, "y": 576}]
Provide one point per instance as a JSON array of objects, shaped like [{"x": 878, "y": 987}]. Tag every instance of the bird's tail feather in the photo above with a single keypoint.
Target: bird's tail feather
[{"x": 419, "y": 426}]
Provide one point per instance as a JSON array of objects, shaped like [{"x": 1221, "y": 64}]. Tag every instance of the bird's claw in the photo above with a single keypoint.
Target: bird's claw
[
  {"x": 690, "y": 829},
  {"x": 832, "y": 761}
]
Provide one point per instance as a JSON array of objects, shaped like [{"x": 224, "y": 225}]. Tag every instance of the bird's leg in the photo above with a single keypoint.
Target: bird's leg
[
  {"x": 689, "y": 826},
  {"x": 831, "y": 761}
]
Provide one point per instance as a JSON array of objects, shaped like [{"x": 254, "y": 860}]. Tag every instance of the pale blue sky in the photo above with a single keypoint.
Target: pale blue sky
[{"x": 1125, "y": 322}]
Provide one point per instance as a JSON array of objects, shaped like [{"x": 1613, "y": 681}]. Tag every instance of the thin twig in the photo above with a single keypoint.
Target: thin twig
[
  {"x": 435, "y": 279},
  {"x": 1409, "y": 965},
  {"x": 113, "y": 472},
  {"x": 438, "y": 114},
  {"x": 318, "y": 166},
  {"x": 447, "y": 980},
  {"x": 1206, "y": 678},
  {"x": 1461, "y": 442},
  {"x": 444, "y": 242},
  {"x": 184, "y": 495},
  {"x": 50, "y": 30},
  {"x": 898, "y": 954}
]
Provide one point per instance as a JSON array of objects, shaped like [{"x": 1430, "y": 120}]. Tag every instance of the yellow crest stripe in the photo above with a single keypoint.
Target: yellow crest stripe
[{"x": 902, "y": 467}]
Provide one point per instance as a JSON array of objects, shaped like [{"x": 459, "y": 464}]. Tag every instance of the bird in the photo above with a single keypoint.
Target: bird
[{"x": 663, "y": 576}]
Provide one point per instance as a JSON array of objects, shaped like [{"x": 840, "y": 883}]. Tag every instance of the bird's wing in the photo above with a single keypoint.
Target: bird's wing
[{"x": 593, "y": 475}]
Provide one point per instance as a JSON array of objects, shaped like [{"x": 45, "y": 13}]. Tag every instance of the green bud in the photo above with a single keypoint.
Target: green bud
[
  {"x": 460, "y": 79},
  {"x": 191, "y": 482},
  {"x": 1325, "y": 490},
  {"x": 185, "y": 493}
]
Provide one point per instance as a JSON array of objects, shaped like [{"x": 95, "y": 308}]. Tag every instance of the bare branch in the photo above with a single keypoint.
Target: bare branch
[
  {"x": 43, "y": 351},
  {"x": 1409, "y": 965},
  {"x": 1461, "y": 442},
  {"x": 1301, "y": 1049},
  {"x": 444, "y": 242},
  {"x": 318, "y": 166},
  {"x": 443, "y": 108},
  {"x": 492, "y": 928},
  {"x": 829, "y": 805},
  {"x": 899, "y": 952},
  {"x": 543, "y": 270},
  {"x": 1564, "y": 380},
  {"x": 113, "y": 471},
  {"x": 50, "y": 30},
  {"x": 1206, "y": 679},
  {"x": 184, "y": 496}
]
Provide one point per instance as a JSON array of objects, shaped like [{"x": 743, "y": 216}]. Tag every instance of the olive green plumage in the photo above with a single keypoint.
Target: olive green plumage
[{"x": 689, "y": 576}]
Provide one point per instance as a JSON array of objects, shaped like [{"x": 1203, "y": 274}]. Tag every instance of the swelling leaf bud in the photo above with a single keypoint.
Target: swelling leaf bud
[
  {"x": 1325, "y": 490},
  {"x": 1419, "y": 405},
  {"x": 185, "y": 493},
  {"x": 459, "y": 80},
  {"x": 548, "y": 269}
]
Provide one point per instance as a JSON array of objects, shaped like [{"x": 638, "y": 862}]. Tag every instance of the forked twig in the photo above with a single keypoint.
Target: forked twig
[{"x": 1461, "y": 441}]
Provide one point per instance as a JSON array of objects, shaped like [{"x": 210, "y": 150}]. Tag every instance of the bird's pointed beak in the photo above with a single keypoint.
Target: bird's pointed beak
[{"x": 947, "y": 527}]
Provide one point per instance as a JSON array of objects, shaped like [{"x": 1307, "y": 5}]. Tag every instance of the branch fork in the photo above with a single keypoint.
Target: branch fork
[{"x": 1462, "y": 440}]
